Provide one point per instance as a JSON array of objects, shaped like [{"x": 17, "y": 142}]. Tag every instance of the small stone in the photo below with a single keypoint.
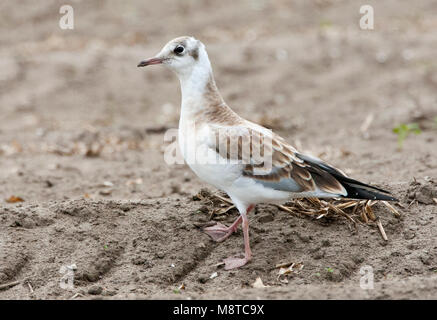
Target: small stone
[
  {"x": 426, "y": 259},
  {"x": 95, "y": 290},
  {"x": 91, "y": 276},
  {"x": 334, "y": 275},
  {"x": 425, "y": 194},
  {"x": 358, "y": 259},
  {"x": 326, "y": 243},
  {"x": 266, "y": 218},
  {"x": 304, "y": 238},
  {"x": 408, "y": 235},
  {"x": 139, "y": 261},
  {"x": 412, "y": 246},
  {"x": 108, "y": 184},
  {"x": 105, "y": 192},
  {"x": 202, "y": 279},
  {"x": 27, "y": 223},
  {"x": 318, "y": 255},
  {"x": 110, "y": 293}
]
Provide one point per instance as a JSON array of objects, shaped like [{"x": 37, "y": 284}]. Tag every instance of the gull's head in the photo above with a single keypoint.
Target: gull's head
[{"x": 181, "y": 55}]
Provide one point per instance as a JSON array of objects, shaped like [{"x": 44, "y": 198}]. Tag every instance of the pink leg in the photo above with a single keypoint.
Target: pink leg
[
  {"x": 234, "y": 262},
  {"x": 220, "y": 232}
]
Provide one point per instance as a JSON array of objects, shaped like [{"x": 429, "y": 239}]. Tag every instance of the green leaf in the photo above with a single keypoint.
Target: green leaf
[
  {"x": 414, "y": 127},
  {"x": 403, "y": 130},
  {"x": 325, "y": 24}
]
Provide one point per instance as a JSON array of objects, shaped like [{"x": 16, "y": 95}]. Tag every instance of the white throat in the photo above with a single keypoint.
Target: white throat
[{"x": 194, "y": 80}]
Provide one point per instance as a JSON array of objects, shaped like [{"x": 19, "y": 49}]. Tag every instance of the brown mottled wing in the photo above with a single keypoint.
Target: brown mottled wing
[{"x": 287, "y": 171}]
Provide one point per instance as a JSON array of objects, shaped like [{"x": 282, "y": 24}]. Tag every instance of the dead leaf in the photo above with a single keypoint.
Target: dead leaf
[
  {"x": 14, "y": 199},
  {"x": 293, "y": 268},
  {"x": 134, "y": 182},
  {"x": 282, "y": 265},
  {"x": 259, "y": 283},
  {"x": 223, "y": 210}
]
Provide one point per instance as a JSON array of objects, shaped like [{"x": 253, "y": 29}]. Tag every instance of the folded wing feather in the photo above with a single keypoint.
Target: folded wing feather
[{"x": 287, "y": 170}]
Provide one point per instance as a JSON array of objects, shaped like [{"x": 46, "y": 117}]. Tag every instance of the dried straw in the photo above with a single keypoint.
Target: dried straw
[{"x": 355, "y": 211}]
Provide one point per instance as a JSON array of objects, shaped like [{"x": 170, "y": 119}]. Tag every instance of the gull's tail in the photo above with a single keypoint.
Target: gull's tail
[
  {"x": 355, "y": 189},
  {"x": 358, "y": 190}
]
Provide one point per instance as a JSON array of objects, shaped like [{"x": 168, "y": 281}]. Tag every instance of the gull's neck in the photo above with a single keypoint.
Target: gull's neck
[
  {"x": 201, "y": 100},
  {"x": 198, "y": 88}
]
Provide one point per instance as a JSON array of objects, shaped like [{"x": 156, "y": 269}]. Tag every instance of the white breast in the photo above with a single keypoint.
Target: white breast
[{"x": 203, "y": 160}]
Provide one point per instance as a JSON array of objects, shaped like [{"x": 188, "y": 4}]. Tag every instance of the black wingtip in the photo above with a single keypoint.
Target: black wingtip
[
  {"x": 366, "y": 192},
  {"x": 355, "y": 189}
]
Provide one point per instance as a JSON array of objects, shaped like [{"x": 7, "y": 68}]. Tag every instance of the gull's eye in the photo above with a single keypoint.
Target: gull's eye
[{"x": 179, "y": 49}]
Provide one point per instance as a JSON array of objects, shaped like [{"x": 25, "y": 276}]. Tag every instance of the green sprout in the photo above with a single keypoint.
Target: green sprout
[
  {"x": 105, "y": 246},
  {"x": 317, "y": 274},
  {"x": 325, "y": 24},
  {"x": 329, "y": 269},
  {"x": 403, "y": 130}
]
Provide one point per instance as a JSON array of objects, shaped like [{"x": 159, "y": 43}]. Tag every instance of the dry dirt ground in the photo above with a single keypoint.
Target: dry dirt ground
[{"x": 81, "y": 142}]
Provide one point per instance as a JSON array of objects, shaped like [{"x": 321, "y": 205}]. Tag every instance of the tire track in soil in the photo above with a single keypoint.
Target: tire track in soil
[
  {"x": 199, "y": 254},
  {"x": 166, "y": 245},
  {"x": 12, "y": 261},
  {"x": 148, "y": 237},
  {"x": 98, "y": 223}
]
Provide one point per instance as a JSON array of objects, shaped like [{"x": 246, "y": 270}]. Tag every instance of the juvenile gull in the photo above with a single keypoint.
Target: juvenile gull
[{"x": 247, "y": 161}]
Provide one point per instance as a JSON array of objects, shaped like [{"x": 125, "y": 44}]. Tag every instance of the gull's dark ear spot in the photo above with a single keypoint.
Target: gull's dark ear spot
[{"x": 195, "y": 53}]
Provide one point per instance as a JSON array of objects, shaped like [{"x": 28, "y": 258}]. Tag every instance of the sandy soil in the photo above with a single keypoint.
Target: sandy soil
[{"x": 81, "y": 142}]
